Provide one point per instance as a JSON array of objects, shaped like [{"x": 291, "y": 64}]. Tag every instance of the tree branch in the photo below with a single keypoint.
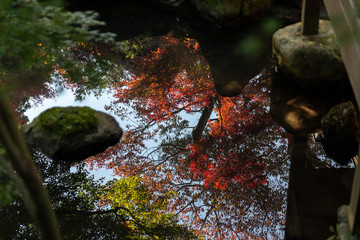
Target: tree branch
[{"x": 205, "y": 115}]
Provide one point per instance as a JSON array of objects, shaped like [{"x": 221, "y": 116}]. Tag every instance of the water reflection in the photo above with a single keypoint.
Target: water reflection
[
  {"x": 223, "y": 159},
  {"x": 189, "y": 155},
  {"x": 75, "y": 198},
  {"x": 225, "y": 168},
  {"x": 226, "y": 171}
]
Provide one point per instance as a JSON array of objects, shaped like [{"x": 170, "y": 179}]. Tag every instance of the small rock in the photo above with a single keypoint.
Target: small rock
[
  {"x": 340, "y": 133},
  {"x": 72, "y": 133}
]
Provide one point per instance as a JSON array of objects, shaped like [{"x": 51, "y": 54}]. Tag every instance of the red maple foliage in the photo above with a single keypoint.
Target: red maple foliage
[
  {"x": 238, "y": 121},
  {"x": 218, "y": 168}
]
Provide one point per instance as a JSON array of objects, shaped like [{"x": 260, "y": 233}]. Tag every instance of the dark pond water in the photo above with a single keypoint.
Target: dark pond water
[{"x": 204, "y": 113}]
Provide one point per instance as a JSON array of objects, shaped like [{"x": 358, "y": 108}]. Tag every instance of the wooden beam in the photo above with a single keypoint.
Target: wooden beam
[{"x": 310, "y": 17}]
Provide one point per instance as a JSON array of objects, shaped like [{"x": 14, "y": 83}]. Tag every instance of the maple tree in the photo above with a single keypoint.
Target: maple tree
[{"x": 224, "y": 169}]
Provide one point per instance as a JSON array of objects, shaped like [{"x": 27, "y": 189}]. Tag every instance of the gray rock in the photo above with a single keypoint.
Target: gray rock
[
  {"x": 72, "y": 133},
  {"x": 310, "y": 61}
]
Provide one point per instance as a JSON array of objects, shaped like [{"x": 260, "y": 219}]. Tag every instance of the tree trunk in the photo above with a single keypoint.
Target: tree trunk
[
  {"x": 18, "y": 157},
  {"x": 205, "y": 115}
]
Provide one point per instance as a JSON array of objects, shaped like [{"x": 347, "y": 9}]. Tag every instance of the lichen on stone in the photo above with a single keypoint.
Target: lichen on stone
[
  {"x": 72, "y": 134},
  {"x": 67, "y": 122},
  {"x": 310, "y": 61}
]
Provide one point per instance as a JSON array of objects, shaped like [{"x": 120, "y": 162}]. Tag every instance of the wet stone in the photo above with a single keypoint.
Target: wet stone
[
  {"x": 340, "y": 133},
  {"x": 312, "y": 61},
  {"x": 72, "y": 133}
]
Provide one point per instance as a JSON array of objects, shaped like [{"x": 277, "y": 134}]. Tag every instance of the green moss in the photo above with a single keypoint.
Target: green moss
[{"x": 67, "y": 122}]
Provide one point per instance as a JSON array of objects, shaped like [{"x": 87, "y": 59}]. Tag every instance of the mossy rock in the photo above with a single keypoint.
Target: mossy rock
[
  {"x": 312, "y": 61},
  {"x": 68, "y": 122},
  {"x": 72, "y": 133},
  {"x": 340, "y": 133}
]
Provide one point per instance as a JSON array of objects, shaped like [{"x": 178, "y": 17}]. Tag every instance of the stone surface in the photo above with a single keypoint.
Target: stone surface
[
  {"x": 224, "y": 12},
  {"x": 300, "y": 111},
  {"x": 343, "y": 214},
  {"x": 340, "y": 133},
  {"x": 72, "y": 133},
  {"x": 310, "y": 61}
]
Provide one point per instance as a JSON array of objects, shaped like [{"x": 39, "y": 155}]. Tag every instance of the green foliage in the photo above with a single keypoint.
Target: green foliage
[
  {"x": 75, "y": 196},
  {"x": 134, "y": 47},
  {"x": 67, "y": 122},
  {"x": 7, "y": 193},
  {"x": 8, "y": 190},
  {"x": 38, "y": 39},
  {"x": 335, "y": 235},
  {"x": 147, "y": 212},
  {"x": 29, "y": 28},
  {"x": 132, "y": 194},
  {"x": 77, "y": 200}
]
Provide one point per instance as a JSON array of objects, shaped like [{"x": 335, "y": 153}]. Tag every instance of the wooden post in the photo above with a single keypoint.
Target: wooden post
[
  {"x": 310, "y": 17},
  {"x": 354, "y": 207}
]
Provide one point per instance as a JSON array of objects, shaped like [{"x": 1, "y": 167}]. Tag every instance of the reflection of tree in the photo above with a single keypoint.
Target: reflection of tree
[
  {"x": 65, "y": 189},
  {"x": 39, "y": 42},
  {"x": 224, "y": 169},
  {"x": 82, "y": 68},
  {"x": 78, "y": 202}
]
